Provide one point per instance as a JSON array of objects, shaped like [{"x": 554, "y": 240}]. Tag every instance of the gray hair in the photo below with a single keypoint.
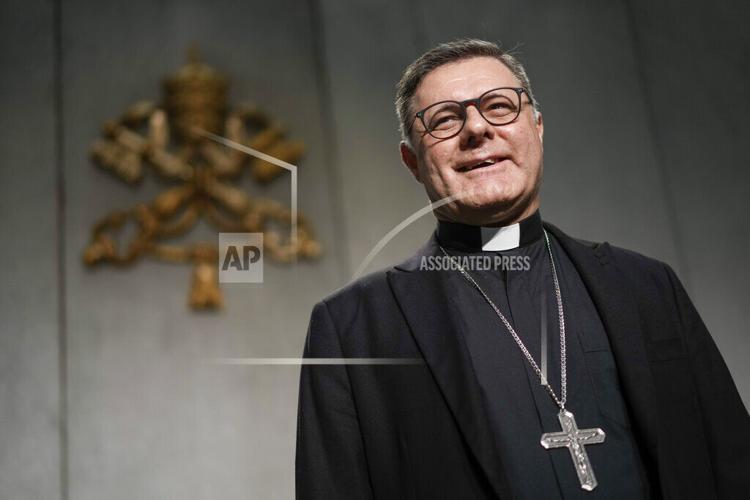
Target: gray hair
[{"x": 465, "y": 48}]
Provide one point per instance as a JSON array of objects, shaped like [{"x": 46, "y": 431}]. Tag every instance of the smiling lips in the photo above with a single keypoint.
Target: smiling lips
[{"x": 481, "y": 164}]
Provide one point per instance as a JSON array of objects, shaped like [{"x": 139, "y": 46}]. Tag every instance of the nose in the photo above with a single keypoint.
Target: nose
[{"x": 476, "y": 129}]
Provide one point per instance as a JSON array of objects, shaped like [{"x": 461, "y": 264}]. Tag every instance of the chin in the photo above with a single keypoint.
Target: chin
[{"x": 492, "y": 201}]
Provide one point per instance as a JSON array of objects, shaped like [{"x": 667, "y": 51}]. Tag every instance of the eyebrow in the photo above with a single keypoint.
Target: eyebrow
[{"x": 510, "y": 85}]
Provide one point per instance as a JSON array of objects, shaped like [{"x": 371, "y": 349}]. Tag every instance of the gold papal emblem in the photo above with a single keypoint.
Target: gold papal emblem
[{"x": 171, "y": 138}]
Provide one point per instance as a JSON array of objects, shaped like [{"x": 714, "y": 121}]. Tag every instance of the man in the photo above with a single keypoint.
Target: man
[{"x": 566, "y": 369}]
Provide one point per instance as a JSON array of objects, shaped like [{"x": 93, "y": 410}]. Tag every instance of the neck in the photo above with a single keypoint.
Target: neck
[
  {"x": 496, "y": 219},
  {"x": 506, "y": 219}
]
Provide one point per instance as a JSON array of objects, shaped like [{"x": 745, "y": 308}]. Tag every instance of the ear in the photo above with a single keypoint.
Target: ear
[
  {"x": 540, "y": 126},
  {"x": 409, "y": 159}
]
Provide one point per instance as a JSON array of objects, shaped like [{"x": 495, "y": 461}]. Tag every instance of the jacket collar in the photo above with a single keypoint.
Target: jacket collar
[{"x": 438, "y": 332}]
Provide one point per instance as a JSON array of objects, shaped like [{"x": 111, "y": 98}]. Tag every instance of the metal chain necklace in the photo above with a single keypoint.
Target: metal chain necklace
[{"x": 571, "y": 436}]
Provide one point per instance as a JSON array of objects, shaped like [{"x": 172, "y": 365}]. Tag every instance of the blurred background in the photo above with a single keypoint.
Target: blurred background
[{"x": 105, "y": 388}]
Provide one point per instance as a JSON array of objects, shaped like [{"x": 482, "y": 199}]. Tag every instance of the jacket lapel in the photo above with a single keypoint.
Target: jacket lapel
[
  {"x": 423, "y": 299},
  {"x": 617, "y": 309},
  {"x": 422, "y": 296}
]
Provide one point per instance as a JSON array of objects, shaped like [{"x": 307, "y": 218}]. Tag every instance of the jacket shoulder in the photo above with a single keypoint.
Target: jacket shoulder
[
  {"x": 368, "y": 285},
  {"x": 635, "y": 261},
  {"x": 635, "y": 266},
  {"x": 651, "y": 281},
  {"x": 375, "y": 284}
]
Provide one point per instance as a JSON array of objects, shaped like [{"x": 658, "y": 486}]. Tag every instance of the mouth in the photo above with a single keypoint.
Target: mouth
[{"x": 485, "y": 163}]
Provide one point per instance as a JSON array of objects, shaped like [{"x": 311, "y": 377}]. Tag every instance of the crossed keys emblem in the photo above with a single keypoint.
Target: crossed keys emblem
[{"x": 172, "y": 138}]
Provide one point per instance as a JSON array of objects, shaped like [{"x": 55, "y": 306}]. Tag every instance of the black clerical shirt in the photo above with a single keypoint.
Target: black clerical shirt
[{"x": 519, "y": 408}]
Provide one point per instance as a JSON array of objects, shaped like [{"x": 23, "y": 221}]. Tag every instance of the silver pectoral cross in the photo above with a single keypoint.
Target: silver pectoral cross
[{"x": 574, "y": 439}]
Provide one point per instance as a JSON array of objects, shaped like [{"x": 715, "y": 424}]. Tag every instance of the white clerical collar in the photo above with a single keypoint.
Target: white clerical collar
[
  {"x": 497, "y": 239},
  {"x": 490, "y": 239}
]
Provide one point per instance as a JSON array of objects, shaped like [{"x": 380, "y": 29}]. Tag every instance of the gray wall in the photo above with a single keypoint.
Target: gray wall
[{"x": 103, "y": 388}]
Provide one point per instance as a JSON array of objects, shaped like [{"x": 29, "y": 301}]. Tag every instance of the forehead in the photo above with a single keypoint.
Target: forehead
[{"x": 463, "y": 79}]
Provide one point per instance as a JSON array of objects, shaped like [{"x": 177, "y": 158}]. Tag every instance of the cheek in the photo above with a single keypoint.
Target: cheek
[
  {"x": 528, "y": 150},
  {"x": 436, "y": 166}
]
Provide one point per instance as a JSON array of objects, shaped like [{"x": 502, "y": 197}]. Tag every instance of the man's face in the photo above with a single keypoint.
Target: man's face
[{"x": 499, "y": 193}]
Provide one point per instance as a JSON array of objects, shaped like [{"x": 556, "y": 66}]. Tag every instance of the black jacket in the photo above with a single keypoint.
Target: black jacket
[{"x": 415, "y": 431}]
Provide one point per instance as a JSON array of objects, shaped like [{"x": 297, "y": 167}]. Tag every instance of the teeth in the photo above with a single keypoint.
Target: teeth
[{"x": 481, "y": 164}]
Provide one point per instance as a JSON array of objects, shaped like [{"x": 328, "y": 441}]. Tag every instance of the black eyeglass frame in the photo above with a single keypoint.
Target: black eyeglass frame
[{"x": 475, "y": 101}]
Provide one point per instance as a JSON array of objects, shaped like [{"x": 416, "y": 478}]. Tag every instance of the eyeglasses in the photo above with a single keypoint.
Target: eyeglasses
[{"x": 445, "y": 119}]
